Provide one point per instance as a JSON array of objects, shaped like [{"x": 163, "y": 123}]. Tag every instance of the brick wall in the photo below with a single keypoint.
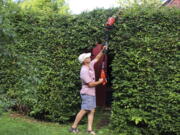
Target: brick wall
[{"x": 174, "y": 3}]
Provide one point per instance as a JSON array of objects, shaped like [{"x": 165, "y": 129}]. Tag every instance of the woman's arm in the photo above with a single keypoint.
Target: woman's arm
[
  {"x": 100, "y": 54},
  {"x": 93, "y": 84}
]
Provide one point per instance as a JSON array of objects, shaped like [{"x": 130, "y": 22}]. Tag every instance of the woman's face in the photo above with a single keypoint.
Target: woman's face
[{"x": 87, "y": 60}]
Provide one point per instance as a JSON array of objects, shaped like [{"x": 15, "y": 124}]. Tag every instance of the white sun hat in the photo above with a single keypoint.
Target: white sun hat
[{"x": 83, "y": 56}]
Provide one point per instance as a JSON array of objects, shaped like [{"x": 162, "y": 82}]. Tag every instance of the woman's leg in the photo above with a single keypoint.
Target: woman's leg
[
  {"x": 79, "y": 116},
  {"x": 90, "y": 119}
]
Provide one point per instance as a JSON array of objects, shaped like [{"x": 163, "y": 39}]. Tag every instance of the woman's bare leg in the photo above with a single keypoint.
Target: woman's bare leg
[
  {"x": 79, "y": 116},
  {"x": 90, "y": 119}
]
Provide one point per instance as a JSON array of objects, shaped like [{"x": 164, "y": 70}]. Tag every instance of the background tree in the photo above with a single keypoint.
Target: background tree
[
  {"x": 45, "y": 6},
  {"x": 133, "y": 3}
]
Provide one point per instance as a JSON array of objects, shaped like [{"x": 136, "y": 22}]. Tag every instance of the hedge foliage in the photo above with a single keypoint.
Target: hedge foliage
[
  {"x": 146, "y": 73},
  {"x": 42, "y": 67},
  {"x": 7, "y": 36},
  {"x": 41, "y": 74}
]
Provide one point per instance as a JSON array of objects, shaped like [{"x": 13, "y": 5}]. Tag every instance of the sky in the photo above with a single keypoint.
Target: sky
[{"x": 78, "y": 6}]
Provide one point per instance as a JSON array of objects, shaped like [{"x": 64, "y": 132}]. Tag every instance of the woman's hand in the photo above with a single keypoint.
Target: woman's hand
[
  {"x": 104, "y": 50},
  {"x": 105, "y": 47},
  {"x": 100, "y": 80},
  {"x": 93, "y": 84}
]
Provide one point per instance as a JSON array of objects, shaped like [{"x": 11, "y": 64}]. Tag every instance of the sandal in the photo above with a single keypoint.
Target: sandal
[
  {"x": 91, "y": 132},
  {"x": 73, "y": 130}
]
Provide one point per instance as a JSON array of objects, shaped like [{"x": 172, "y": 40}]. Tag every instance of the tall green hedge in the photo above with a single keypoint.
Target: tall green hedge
[
  {"x": 44, "y": 61},
  {"x": 45, "y": 68},
  {"x": 44, "y": 71},
  {"x": 7, "y": 37},
  {"x": 146, "y": 73}
]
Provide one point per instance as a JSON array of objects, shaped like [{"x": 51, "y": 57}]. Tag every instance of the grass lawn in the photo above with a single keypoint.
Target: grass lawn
[{"x": 12, "y": 123}]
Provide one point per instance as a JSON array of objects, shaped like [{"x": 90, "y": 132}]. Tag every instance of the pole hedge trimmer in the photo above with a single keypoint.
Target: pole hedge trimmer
[{"x": 109, "y": 25}]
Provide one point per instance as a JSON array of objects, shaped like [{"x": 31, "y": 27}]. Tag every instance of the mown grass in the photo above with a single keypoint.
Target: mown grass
[{"x": 14, "y": 124}]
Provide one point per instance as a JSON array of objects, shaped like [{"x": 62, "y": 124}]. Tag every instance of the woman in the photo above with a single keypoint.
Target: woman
[{"x": 88, "y": 93}]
